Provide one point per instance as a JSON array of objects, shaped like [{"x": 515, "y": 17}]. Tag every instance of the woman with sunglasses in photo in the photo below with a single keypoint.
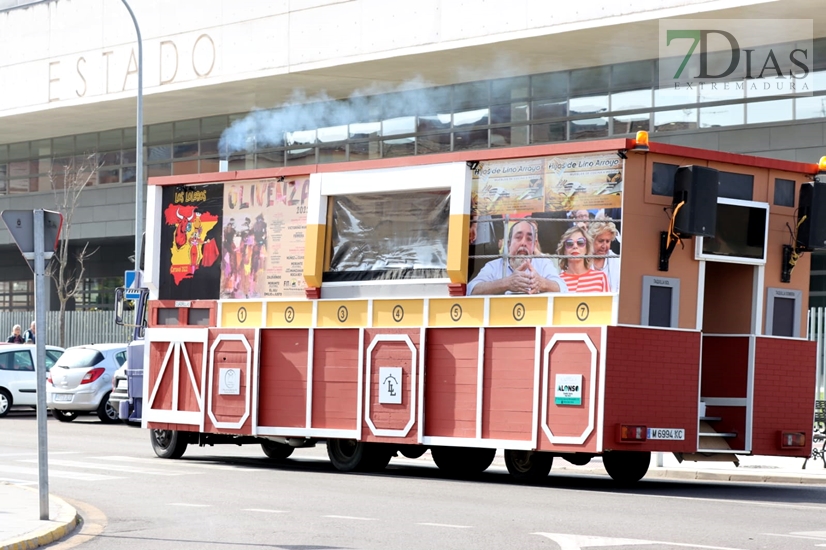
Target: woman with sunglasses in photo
[{"x": 578, "y": 273}]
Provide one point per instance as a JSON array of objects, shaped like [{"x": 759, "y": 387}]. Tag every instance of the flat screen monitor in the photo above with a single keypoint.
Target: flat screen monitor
[{"x": 741, "y": 231}]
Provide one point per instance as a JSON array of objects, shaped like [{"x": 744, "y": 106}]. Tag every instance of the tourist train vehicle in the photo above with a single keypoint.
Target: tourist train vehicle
[{"x": 464, "y": 302}]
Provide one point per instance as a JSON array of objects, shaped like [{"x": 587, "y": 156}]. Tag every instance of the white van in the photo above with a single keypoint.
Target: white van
[{"x": 18, "y": 383}]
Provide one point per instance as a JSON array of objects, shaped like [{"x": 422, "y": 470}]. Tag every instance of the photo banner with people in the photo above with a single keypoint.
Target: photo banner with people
[
  {"x": 546, "y": 224},
  {"x": 265, "y": 223}
]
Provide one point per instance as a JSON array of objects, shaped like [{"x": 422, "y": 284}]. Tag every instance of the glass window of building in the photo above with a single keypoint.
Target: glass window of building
[{"x": 769, "y": 111}]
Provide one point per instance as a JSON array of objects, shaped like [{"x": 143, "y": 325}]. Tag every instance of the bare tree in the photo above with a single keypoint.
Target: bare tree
[{"x": 69, "y": 179}]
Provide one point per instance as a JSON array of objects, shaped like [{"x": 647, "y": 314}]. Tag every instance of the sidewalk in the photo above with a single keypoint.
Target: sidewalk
[
  {"x": 752, "y": 469},
  {"x": 20, "y": 526},
  {"x": 21, "y": 529}
]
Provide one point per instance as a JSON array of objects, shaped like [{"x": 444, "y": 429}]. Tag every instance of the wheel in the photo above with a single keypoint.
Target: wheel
[
  {"x": 276, "y": 451},
  {"x": 64, "y": 416},
  {"x": 626, "y": 467},
  {"x": 378, "y": 457},
  {"x": 106, "y": 412},
  {"x": 348, "y": 455},
  {"x": 577, "y": 459},
  {"x": 5, "y": 402},
  {"x": 462, "y": 461},
  {"x": 528, "y": 466},
  {"x": 412, "y": 451},
  {"x": 168, "y": 443}
]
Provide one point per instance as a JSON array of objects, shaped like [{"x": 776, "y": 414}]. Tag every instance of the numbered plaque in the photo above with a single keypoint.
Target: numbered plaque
[
  {"x": 524, "y": 310},
  {"x": 241, "y": 314},
  {"x": 398, "y": 313}
]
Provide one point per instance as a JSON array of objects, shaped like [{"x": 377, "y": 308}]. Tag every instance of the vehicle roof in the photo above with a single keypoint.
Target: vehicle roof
[
  {"x": 101, "y": 347},
  {"x": 4, "y": 346}
]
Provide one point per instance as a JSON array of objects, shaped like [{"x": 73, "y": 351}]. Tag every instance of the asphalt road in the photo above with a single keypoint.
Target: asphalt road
[{"x": 230, "y": 497}]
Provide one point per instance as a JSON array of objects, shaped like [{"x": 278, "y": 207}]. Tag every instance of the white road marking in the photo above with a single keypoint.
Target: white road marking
[
  {"x": 7, "y": 469},
  {"x": 51, "y": 453},
  {"x": 113, "y": 468},
  {"x": 350, "y": 517},
  {"x": 811, "y": 535},
  {"x": 446, "y": 525},
  {"x": 265, "y": 511},
  {"x": 189, "y": 505},
  {"x": 745, "y": 502},
  {"x": 165, "y": 463},
  {"x": 577, "y": 542}
]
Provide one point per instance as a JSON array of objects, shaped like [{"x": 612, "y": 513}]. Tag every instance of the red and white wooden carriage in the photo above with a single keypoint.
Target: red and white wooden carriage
[{"x": 300, "y": 328}]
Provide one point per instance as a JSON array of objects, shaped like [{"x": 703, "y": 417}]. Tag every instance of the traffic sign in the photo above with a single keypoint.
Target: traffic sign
[
  {"x": 132, "y": 281},
  {"x": 21, "y": 226}
]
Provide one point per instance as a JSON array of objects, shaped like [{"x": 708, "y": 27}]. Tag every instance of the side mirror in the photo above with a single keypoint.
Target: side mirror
[{"x": 119, "y": 306}]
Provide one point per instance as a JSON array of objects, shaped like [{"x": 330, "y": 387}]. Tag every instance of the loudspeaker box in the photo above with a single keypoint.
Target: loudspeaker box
[
  {"x": 811, "y": 234},
  {"x": 696, "y": 187}
]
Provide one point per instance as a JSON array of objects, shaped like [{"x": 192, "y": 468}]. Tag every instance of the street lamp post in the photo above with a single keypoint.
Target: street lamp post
[{"x": 139, "y": 199}]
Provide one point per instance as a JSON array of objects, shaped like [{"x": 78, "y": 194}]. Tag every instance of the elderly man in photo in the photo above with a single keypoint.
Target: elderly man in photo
[{"x": 521, "y": 274}]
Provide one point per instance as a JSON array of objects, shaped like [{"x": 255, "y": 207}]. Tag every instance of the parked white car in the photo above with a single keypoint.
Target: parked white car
[
  {"x": 18, "y": 382},
  {"x": 81, "y": 381}
]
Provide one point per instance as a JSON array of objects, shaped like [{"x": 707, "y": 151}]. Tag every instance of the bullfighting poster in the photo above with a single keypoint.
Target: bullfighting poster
[
  {"x": 190, "y": 242},
  {"x": 264, "y": 228}
]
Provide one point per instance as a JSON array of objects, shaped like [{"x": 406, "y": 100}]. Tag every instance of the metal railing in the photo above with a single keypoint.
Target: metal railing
[
  {"x": 817, "y": 332},
  {"x": 82, "y": 327}
]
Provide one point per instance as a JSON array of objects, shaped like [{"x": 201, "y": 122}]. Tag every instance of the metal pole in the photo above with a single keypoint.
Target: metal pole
[
  {"x": 40, "y": 345},
  {"x": 139, "y": 184}
]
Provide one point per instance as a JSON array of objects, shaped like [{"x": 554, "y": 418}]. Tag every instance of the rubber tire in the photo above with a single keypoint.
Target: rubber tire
[
  {"x": 412, "y": 451},
  {"x": 349, "y": 455},
  {"x": 462, "y": 461},
  {"x": 168, "y": 443},
  {"x": 106, "y": 412},
  {"x": 276, "y": 451},
  {"x": 626, "y": 467},
  {"x": 378, "y": 457},
  {"x": 528, "y": 466},
  {"x": 577, "y": 459},
  {"x": 5, "y": 402},
  {"x": 64, "y": 416}
]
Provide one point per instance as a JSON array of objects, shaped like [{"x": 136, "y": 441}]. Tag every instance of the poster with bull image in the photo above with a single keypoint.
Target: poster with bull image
[
  {"x": 191, "y": 242},
  {"x": 551, "y": 210},
  {"x": 264, "y": 228}
]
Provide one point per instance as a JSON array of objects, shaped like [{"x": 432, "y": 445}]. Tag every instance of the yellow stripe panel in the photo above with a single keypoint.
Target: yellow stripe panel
[
  {"x": 241, "y": 314},
  {"x": 457, "y": 312},
  {"x": 398, "y": 313},
  {"x": 578, "y": 311},
  {"x": 349, "y": 314},
  {"x": 458, "y": 234},
  {"x": 518, "y": 311},
  {"x": 290, "y": 314},
  {"x": 314, "y": 255}
]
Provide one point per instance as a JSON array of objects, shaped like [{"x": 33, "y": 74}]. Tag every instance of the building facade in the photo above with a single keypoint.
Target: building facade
[{"x": 291, "y": 82}]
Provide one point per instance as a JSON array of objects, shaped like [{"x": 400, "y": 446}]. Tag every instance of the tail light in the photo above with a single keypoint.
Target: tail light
[
  {"x": 792, "y": 439},
  {"x": 49, "y": 378},
  {"x": 633, "y": 433},
  {"x": 93, "y": 375}
]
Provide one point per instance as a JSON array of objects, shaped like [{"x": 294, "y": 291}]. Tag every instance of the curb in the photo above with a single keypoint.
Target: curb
[
  {"x": 700, "y": 475},
  {"x": 66, "y": 520}
]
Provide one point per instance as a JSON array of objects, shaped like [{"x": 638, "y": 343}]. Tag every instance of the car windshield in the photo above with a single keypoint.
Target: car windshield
[
  {"x": 79, "y": 358},
  {"x": 51, "y": 357}
]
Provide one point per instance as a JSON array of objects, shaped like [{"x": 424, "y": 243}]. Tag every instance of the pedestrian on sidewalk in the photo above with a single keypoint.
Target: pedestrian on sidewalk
[
  {"x": 29, "y": 335},
  {"x": 16, "y": 337}
]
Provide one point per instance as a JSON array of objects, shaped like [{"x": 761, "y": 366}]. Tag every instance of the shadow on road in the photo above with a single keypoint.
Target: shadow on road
[{"x": 565, "y": 480}]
